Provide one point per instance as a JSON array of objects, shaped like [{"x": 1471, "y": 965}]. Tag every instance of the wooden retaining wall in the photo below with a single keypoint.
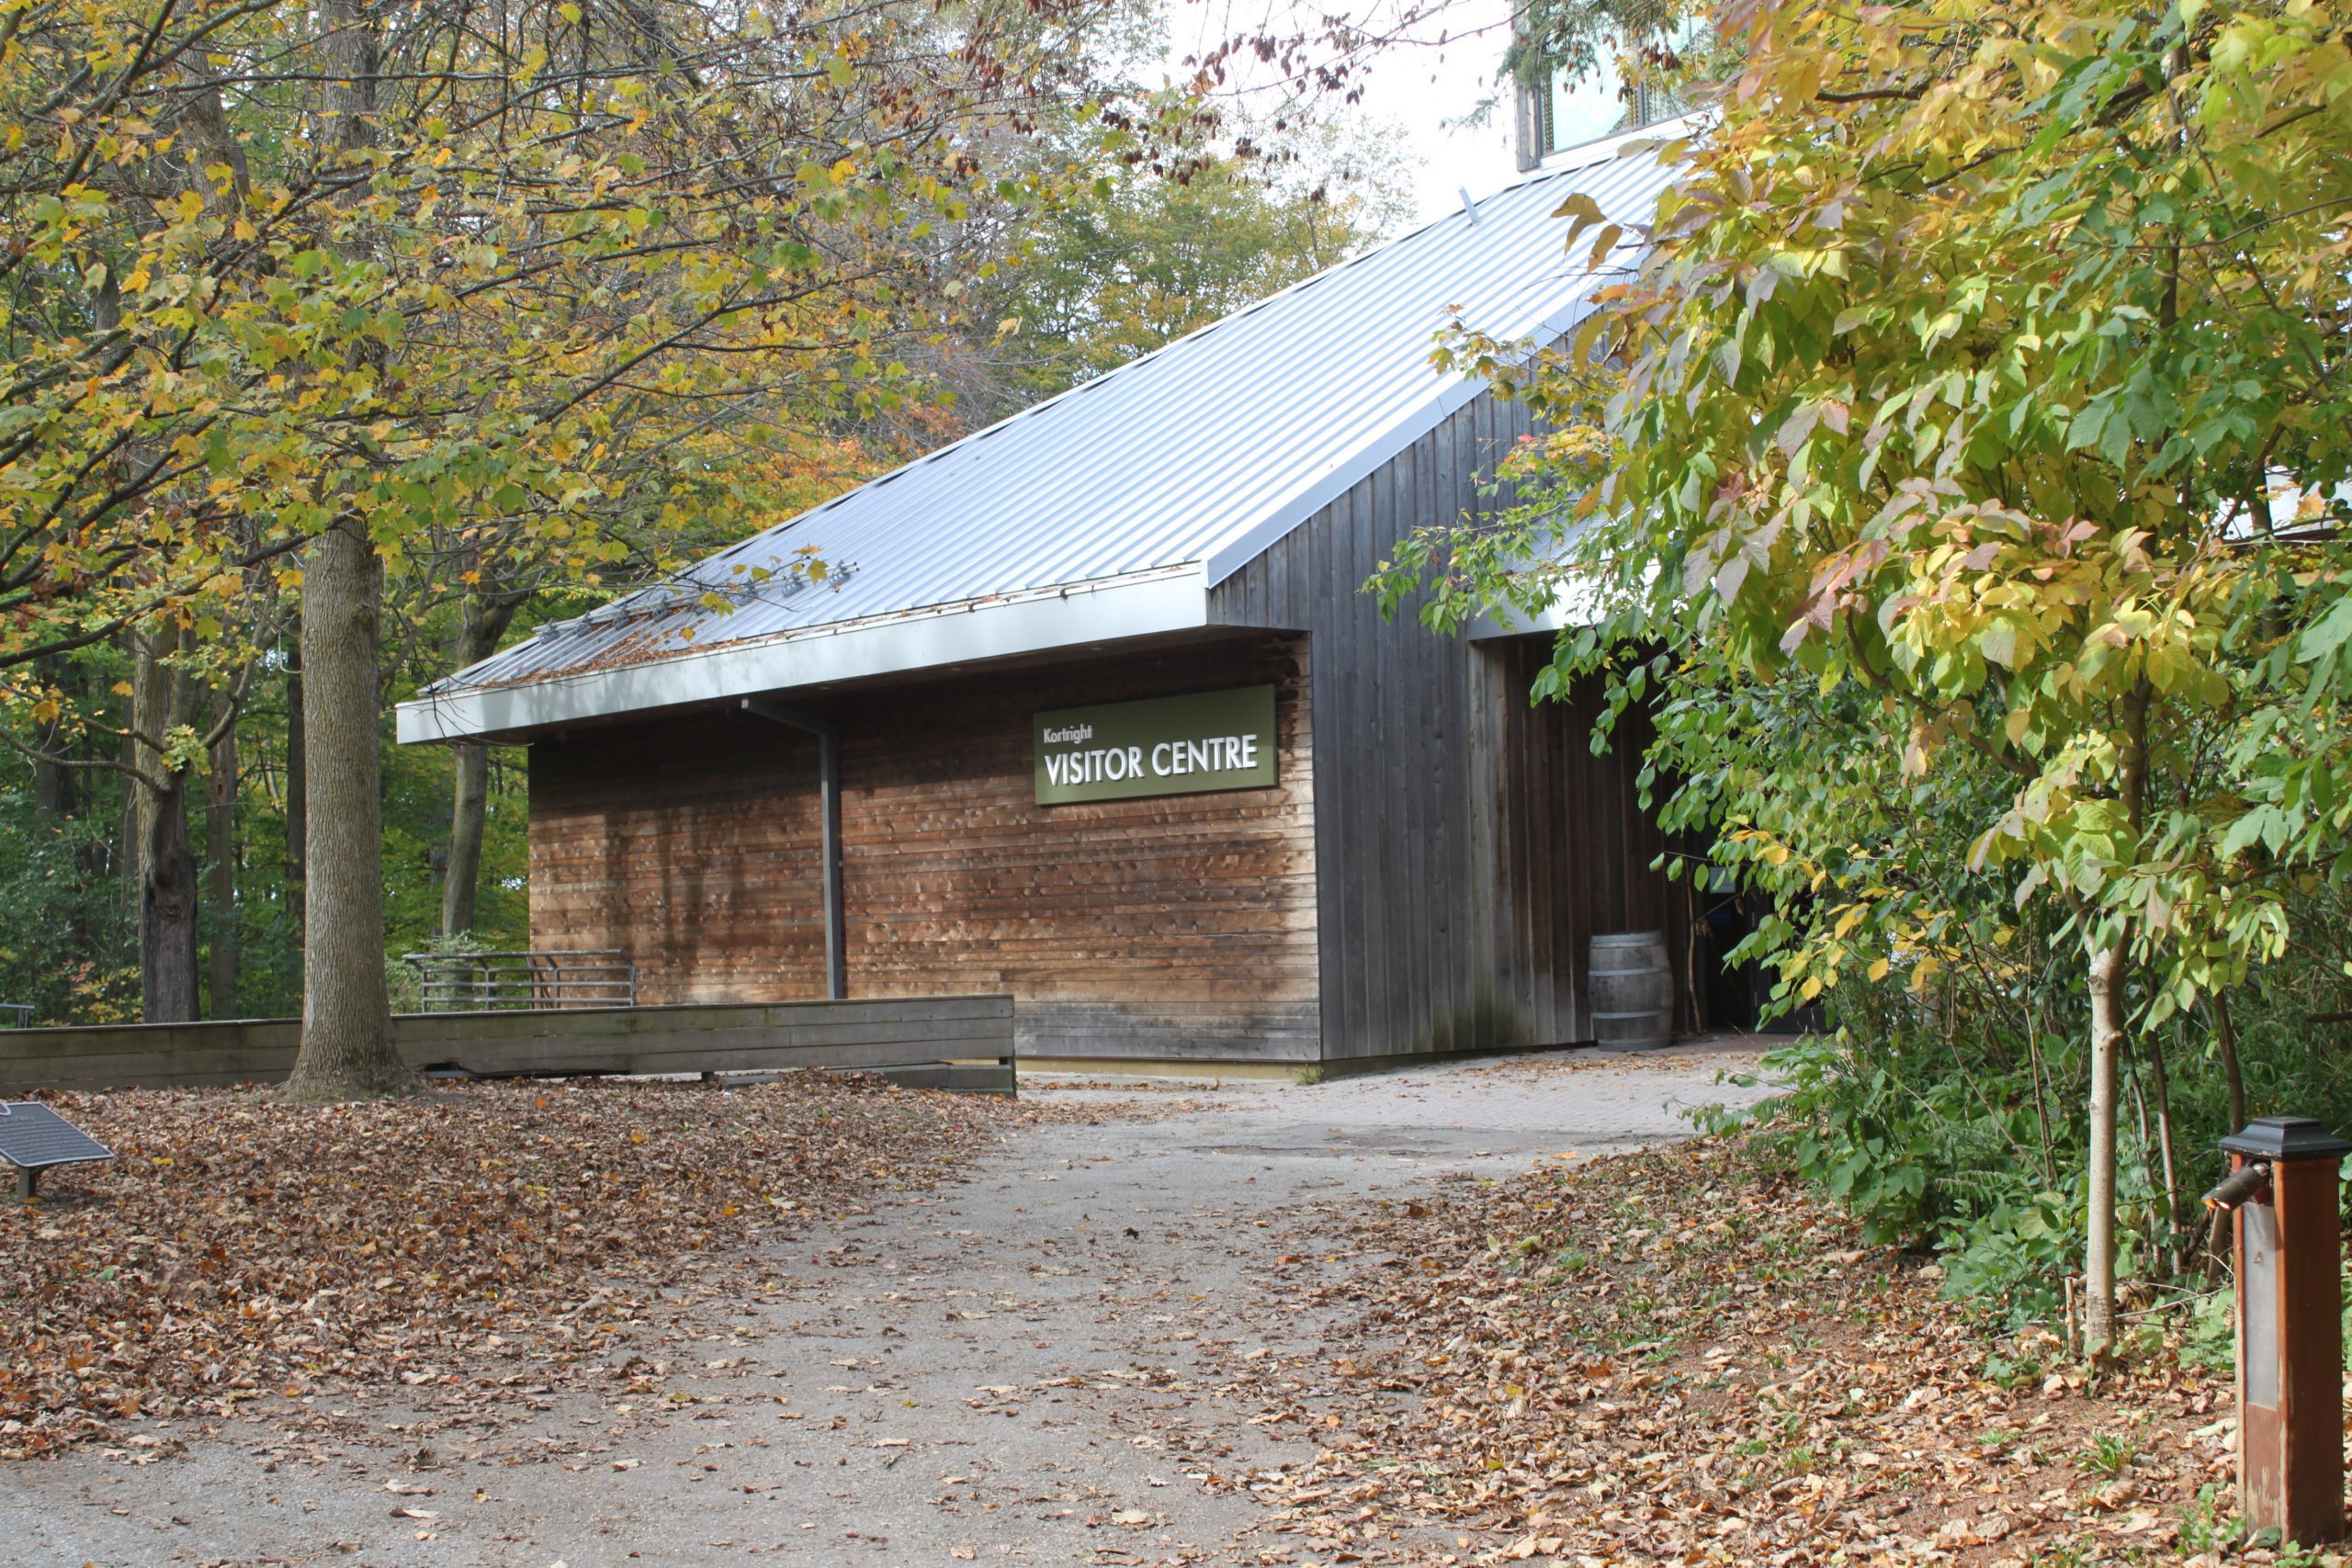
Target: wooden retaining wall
[{"x": 757, "y": 1037}]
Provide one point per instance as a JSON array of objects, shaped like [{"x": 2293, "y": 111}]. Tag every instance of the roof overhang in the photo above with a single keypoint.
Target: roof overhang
[
  {"x": 1144, "y": 604},
  {"x": 1492, "y": 624},
  {"x": 1575, "y": 601}
]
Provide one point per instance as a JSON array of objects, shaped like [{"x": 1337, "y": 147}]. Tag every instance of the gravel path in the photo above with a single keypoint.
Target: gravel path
[{"x": 1005, "y": 1369}]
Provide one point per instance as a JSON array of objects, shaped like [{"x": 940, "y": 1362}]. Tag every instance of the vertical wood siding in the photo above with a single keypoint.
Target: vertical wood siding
[
  {"x": 1178, "y": 927},
  {"x": 1467, "y": 849},
  {"x": 1574, "y": 846}
]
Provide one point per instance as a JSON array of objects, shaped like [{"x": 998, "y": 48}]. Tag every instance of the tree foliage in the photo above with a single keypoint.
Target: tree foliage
[
  {"x": 494, "y": 298},
  {"x": 1984, "y": 376},
  {"x": 569, "y": 241},
  {"x": 546, "y": 306},
  {"x": 1131, "y": 260}
]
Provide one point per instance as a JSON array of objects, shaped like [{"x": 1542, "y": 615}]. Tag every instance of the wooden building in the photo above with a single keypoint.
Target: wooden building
[{"x": 1091, "y": 709}]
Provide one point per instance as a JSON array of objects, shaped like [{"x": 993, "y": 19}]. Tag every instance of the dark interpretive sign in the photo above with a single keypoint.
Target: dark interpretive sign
[
  {"x": 33, "y": 1138},
  {"x": 1189, "y": 745}
]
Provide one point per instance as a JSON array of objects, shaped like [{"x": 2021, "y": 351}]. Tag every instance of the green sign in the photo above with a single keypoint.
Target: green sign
[{"x": 1209, "y": 740}]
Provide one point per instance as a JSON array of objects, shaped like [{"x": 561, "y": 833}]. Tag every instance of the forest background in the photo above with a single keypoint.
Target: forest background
[{"x": 1114, "y": 217}]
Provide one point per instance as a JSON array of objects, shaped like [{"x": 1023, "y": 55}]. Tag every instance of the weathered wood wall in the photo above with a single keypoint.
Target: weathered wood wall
[
  {"x": 1438, "y": 927},
  {"x": 616, "y": 1039},
  {"x": 1573, "y": 846},
  {"x": 1425, "y": 877},
  {"x": 1182, "y": 926}
]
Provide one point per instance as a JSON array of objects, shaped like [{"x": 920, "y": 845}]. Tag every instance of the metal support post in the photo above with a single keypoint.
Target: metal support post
[
  {"x": 828, "y": 790},
  {"x": 2281, "y": 1195}
]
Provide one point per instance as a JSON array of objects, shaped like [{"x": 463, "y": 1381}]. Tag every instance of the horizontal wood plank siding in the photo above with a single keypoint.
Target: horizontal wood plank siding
[{"x": 1182, "y": 926}]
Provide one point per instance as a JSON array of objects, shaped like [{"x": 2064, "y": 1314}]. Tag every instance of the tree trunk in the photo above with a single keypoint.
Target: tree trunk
[
  {"x": 2225, "y": 1042},
  {"x": 2163, "y": 1083},
  {"x": 346, "y": 1051},
  {"x": 482, "y": 621},
  {"x": 53, "y": 791},
  {"x": 2108, "y": 1021},
  {"x": 298, "y": 793},
  {"x": 164, "y": 888},
  {"x": 220, "y": 868},
  {"x": 167, "y": 909},
  {"x": 137, "y": 799},
  {"x": 2107, "y": 1047},
  {"x": 469, "y": 813}
]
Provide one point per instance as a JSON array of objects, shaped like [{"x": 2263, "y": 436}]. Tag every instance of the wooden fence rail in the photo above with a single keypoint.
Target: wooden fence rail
[
  {"x": 488, "y": 982},
  {"x": 891, "y": 1033}
]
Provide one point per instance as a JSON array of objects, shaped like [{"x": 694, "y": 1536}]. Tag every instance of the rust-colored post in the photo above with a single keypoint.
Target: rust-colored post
[{"x": 2282, "y": 1193}]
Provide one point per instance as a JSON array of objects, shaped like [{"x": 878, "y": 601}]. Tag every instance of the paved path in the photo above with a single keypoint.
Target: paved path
[{"x": 1008, "y": 1369}]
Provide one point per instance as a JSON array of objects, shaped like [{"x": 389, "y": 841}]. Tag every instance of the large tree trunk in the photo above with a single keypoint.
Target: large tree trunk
[
  {"x": 346, "y": 1051},
  {"x": 220, "y": 867},
  {"x": 298, "y": 793},
  {"x": 166, "y": 885},
  {"x": 483, "y": 622}
]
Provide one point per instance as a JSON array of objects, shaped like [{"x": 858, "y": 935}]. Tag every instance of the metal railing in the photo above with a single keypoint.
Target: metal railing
[
  {"x": 15, "y": 1015},
  {"x": 491, "y": 982}
]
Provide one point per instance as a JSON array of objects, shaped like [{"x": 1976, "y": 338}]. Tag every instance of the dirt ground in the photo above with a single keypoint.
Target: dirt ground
[{"x": 1020, "y": 1367}]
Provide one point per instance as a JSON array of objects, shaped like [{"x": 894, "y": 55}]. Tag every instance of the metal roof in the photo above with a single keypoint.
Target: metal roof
[{"x": 1199, "y": 455}]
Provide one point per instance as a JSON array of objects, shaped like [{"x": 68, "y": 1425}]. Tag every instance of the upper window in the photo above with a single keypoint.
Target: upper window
[{"x": 1571, "y": 109}]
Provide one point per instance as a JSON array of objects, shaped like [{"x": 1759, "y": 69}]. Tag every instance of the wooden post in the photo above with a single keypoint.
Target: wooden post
[
  {"x": 2290, "y": 1335},
  {"x": 829, "y": 805},
  {"x": 27, "y": 1177}
]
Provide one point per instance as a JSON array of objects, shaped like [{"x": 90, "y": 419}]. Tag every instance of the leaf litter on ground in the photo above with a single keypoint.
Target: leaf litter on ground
[
  {"x": 1685, "y": 1356},
  {"x": 480, "y": 1241}
]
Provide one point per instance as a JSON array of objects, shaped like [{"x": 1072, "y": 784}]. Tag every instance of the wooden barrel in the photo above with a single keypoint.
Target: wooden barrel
[{"x": 1633, "y": 990}]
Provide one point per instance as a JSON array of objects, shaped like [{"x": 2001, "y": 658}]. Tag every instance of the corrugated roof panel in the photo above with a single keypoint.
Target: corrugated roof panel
[{"x": 1217, "y": 443}]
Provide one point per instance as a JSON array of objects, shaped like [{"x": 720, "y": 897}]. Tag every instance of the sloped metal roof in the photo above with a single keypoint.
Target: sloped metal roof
[{"x": 1199, "y": 455}]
